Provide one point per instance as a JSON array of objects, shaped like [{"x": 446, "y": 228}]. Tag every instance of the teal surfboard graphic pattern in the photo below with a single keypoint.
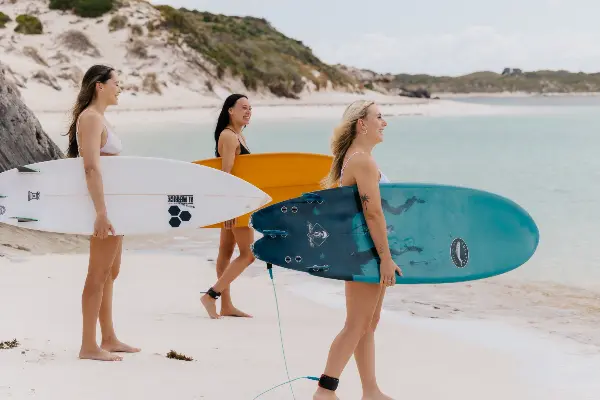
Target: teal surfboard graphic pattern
[{"x": 436, "y": 234}]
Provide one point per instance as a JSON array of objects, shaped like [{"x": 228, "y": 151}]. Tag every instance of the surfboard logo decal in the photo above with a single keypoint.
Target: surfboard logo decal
[
  {"x": 316, "y": 235},
  {"x": 183, "y": 199},
  {"x": 2, "y": 210},
  {"x": 459, "y": 253},
  {"x": 33, "y": 195},
  {"x": 178, "y": 216}
]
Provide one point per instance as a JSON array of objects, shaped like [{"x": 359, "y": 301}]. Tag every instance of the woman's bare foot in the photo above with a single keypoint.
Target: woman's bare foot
[
  {"x": 324, "y": 394},
  {"x": 210, "y": 305},
  {"x": 99, "y": 355},
  {"x": 117, "y": 346},
  {"x": 231, "y": 311},
  {"x": 376, "y": 396}
]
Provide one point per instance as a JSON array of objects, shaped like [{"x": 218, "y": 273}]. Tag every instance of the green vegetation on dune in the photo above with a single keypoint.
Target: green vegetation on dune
[
  {"x": 250, "y": 48},
  {"x": 262, "y": 58},
  {"x": 84, "y": 8},
  {"x": 4, "y": 19},
  {"x": 29, "y": 25},
  {"x": 543, "y": 81}
]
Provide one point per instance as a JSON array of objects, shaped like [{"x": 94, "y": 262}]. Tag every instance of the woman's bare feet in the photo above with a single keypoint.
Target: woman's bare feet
[
  {"x": 116, "y": 346},
  {"x": 231, "y": 311},
  {"x": 376, "y": 396},
  {"x": 210, "y": 305},
  {"x": 99, "y": 355},
  {"x": 324, "y": 394}
]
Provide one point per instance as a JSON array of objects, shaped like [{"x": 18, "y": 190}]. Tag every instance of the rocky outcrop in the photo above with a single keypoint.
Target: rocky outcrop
[{"x": 22, "y": 139}]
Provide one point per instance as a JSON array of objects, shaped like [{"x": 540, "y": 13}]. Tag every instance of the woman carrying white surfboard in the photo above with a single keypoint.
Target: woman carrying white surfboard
[
  {"x": 90, "y": 137},
  {"x": 229, "y": 143},
  {"x": 353, "y": 140}
]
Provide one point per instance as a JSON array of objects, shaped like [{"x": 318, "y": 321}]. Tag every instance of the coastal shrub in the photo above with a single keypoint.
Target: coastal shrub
[
  {"x": 62, "y": 4},
  {"x": 250, "y": 49},
  {"x": 138, "y": 49},
  {"x": 117, "y": 22},
  {"x": 92, "y": 8},
  {"x": 152, "y": 25},
  {"x": 33, "y": 53},
  {"x": 150, "y": 84},
  {"x": 78, "y": 41},
  {"x": 4, "y": 19},
  {"x": 29, "y": 25},
  {"x": 84, "y": 8},
  {"x": 137, "y": 30}
]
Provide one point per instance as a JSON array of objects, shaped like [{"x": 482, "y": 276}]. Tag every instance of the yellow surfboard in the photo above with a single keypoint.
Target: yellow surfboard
[{"x": 282, "y": 176}]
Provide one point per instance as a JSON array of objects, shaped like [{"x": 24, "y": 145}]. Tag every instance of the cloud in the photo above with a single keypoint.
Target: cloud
[{"x": 475, "y": 48}]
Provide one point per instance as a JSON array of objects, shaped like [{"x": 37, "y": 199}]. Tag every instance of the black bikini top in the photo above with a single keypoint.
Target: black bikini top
[{"x": 243, "y": 149}]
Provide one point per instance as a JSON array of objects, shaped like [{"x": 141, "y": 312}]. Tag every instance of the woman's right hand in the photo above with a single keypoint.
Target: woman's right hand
[
  {"x": 229, "y": 224},
  {"x": 387, "y": 272},
  {"x": 102, "y": 226}
]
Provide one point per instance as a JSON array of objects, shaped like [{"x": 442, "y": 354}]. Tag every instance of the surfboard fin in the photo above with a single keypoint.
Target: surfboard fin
[
  {"x": 318, "y": 268},
  {"x": 273, "y": 233},
  {"x": 312, "y": 198},
  {"x": 25, "y": 169},
  {"x": 25, "y": 219}
]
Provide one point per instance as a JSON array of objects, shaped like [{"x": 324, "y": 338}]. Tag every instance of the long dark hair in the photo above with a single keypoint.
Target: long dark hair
[
  {"x": 223, "y": 119},
  {"x": 96, "y": 73}
]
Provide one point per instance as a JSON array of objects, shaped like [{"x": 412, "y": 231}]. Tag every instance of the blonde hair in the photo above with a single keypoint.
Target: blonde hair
[{"x": 343, "y": 137}]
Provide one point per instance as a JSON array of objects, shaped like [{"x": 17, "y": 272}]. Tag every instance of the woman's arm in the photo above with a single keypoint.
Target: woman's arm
[
  {"x": 230, "y": 144},
  {"x": 367, "y": 181},
  {"x": 90, "y": 134}
]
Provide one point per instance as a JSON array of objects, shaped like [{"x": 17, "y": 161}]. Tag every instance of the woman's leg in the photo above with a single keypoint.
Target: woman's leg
[
  {"x": 102, "y": 256},
  {"x": 109, "y": 337},
  {"x": 226, "y": 247},
  {"x": 361, "y": 303},
  {"x": 365, "y": 357},
  {"x": 244, "y": 236}
]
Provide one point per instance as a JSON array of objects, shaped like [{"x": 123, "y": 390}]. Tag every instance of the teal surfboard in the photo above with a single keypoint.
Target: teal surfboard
[{"x": 436, "y": 234}]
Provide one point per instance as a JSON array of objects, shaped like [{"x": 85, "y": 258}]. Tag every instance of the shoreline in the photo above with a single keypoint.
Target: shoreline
[
  {"x": 56, "y": 122},
  {"x": 318, "y": 99},
  {"x": 567, "y": 312},
  {"x": 517, "y": 94},
  {"x": 324, "y": 105}
]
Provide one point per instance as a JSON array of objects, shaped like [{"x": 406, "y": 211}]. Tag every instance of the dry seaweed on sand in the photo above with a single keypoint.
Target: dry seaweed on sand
[
  {"x": 175, "y": 355},
  {"x": 9, "y": 344}
]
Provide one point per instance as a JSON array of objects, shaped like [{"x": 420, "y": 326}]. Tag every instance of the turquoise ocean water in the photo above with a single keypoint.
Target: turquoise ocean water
[{"x": 545, "y": 161}]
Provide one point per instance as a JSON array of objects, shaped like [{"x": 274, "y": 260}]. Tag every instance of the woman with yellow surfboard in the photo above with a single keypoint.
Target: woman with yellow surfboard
[{"x": 229, "y": 143}]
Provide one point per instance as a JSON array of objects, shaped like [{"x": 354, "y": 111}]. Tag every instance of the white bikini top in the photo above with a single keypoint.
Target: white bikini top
[
  {"x": 113, "y": 144},
  {"x": 382, "y": 177}
]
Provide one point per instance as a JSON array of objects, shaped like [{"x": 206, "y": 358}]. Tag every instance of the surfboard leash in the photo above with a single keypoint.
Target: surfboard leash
[{"x": 313, "y": 378}]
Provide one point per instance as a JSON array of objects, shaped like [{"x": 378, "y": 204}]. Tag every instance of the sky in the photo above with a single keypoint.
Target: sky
[{"x": 438, "y": 37}]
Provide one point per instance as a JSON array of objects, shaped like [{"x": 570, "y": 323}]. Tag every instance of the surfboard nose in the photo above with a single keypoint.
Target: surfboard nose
[{"x": 262, "y": 200}]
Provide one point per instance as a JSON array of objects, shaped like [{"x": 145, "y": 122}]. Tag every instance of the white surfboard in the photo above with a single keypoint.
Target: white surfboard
[{"x": 143, "y": 195}]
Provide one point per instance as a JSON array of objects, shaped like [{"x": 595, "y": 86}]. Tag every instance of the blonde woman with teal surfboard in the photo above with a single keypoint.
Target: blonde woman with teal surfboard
[{"x": 353, "y": 140}]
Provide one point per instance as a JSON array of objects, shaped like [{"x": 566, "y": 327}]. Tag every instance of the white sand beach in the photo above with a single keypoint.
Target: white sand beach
[{"x": 157, "y": 308}]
